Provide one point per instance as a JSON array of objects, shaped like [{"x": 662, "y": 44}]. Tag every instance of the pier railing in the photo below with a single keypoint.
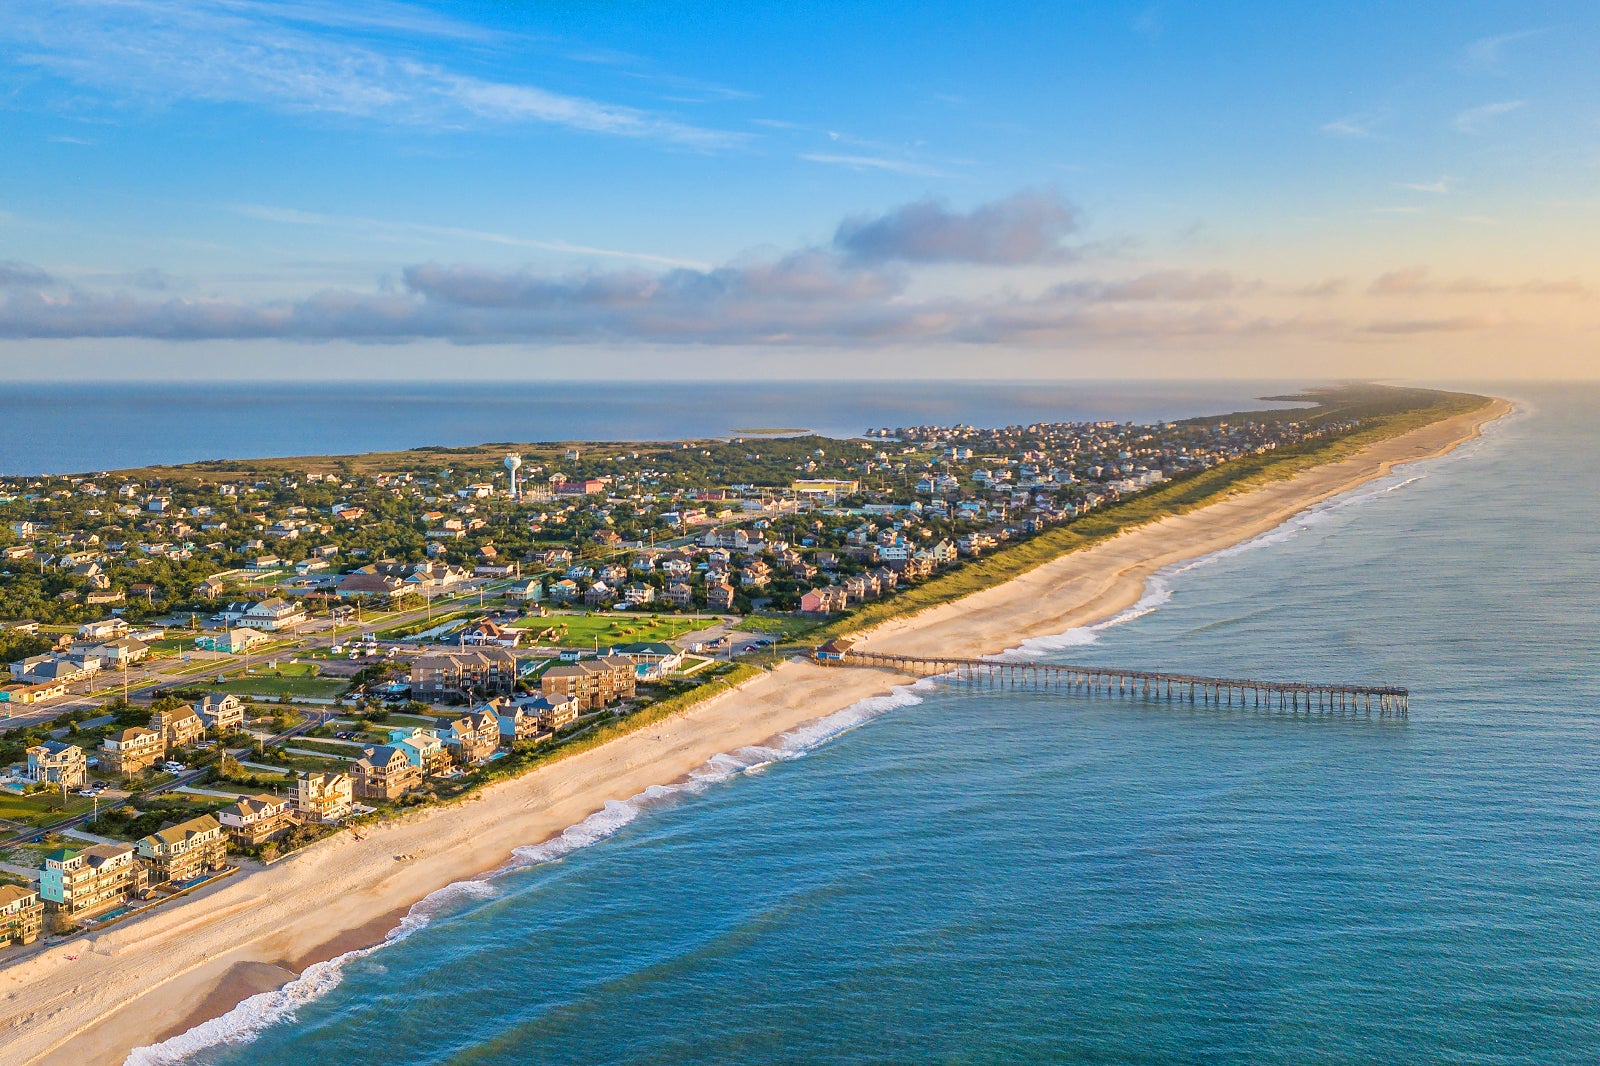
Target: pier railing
[{"x": 1244, "y": 693}]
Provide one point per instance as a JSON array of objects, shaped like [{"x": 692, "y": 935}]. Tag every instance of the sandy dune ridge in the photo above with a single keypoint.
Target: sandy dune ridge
[{"x": 90, "y": 1001}]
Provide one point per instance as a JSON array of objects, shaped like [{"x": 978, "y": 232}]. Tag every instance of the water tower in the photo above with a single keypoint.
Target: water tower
[{"x": 513, "y": 463}]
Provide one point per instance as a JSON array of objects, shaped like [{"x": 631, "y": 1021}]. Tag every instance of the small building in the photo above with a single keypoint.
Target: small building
[
  {"x": 257, "y": 819},
  {"x": 384, "y": 773},
  {"x": 185, "y": 851},
  {"x": 85, "y": 881},
  {"x": 322, "y": 798},
  {"x": 21, "y": 915},
  {"x": 719, "y": 595},
  {"x": 233, "y": 641},
  {"x": 52, "y": 762},
  {"x": 273, "y": 615},
  {"x": 835, "y": 650}
]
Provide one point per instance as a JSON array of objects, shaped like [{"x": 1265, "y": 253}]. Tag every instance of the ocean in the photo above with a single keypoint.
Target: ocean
[
  {"x": 959, "y": 876},
  {"x": 58, "y": 429}
]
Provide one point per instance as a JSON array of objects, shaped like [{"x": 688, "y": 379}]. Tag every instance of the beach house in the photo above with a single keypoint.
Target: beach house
[
  {"x": 52, "y": 762},
  {"x": 131, "y": 751},
  {"x": 422, "y": 748},
  {"x": 186, "y": 850},
  {"x": 384, "y": 773},
  {"x": 321, "y": 798},
  {"x": 79, "y": 882},
  {"x": 21, "y": 915},
  {"x": 222, "y": 712},
  {"x": 473, "y": 738},
  {"x": 179, "y": 726},
  {"x": 257, "y": 819}
]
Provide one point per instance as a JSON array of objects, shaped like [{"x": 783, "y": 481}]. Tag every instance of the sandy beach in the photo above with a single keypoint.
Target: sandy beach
[{"x": 91, "y": 1000}]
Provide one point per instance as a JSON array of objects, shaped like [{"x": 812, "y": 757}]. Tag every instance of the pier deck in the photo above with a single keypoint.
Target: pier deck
[{"x": 1245, "y": 693}]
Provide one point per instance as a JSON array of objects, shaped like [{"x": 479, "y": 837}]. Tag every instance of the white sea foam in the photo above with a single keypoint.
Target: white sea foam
[{"x": 250, "y": 1018}]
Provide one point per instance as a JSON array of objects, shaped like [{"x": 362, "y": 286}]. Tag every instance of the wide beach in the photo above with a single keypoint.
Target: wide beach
[{"x": 94, "y": 999}]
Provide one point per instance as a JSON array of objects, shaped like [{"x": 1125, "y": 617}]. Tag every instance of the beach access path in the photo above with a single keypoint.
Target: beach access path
[{"x": 93, "y": 999}]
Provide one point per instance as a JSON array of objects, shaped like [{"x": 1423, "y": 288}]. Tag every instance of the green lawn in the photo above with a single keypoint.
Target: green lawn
[
  {"x": 39, "y": 809},
  {"x": 583, "y": 630},
  {"x": 273, "y": 687},
  {"x": 786, "y": 627}
]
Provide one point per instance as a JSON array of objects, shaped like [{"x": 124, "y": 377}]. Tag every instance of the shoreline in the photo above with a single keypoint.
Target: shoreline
[{"x": 138, "y": 983}]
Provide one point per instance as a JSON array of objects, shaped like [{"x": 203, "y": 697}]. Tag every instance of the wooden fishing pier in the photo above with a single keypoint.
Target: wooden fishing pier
[{"x": 1291, "y": 697}]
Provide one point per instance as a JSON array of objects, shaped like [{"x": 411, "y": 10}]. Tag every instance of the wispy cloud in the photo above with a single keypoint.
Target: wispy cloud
[
  {"x": 296, "y": 217},
  {"x": 1487, "y": 54},
  {"x": 1440, "y": 187},
  {"x": 870, "y": 162},
  {"x": 1478, "y": 119},
  {"x": 1350, "y": 126},
  {"x": 236, "y": 51}
]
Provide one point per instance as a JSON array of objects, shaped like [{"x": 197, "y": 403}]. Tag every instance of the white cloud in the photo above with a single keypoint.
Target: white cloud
[
  {"x": 1487, "y": 54},
  {"x": 1477, "y": 119},
  {"x": 868, "y": 162},
  {"x": 1439, "y": 187},
  {"x": 236, "y": 51}
]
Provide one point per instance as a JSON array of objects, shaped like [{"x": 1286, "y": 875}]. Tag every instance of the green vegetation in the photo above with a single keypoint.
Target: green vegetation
[
  {"x": 585, "y": 630},
  {"x": 1387, "y": 415},
  {"x": 272, "y": 686},
  {"x": 41, "y": 808}
]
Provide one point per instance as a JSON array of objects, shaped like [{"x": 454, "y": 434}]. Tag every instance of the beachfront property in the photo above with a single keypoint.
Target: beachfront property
[
  {"x": 178, "y": 726},
  {"x": 21, "y": 915},
  {"x": 257, "y": 819},
  {"x": 532, "y": 717},
  {"x": 186, "y": 850},
  {"x": 592, "y": 683},
  {"x": 422, "y": 748},
  {"x": 384, "y": 773},
  {"x": 131, "y": 751},
  {"x": 54, "y": 763},
  {"x": 222, "y": 712},
  {"x": 81, "y": 882},
  {"x": 485, "y": 671},
  {"x": 473, "y": 738},
  {"x": 322, "y": 798}
]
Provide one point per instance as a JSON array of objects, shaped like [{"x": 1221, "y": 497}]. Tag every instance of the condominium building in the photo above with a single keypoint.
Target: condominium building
[
  {"x": 55, "y": 763},
  {"x": 593, "y": 682},
  {"x": 85, "y": 881},
  {"x": 257, "y": 819},
  {"x": 21, "y": 915},
  {"x": 185, "y": 850},
  {"x": 485, "y": 671},
  {"x": 321, "y": 797}
]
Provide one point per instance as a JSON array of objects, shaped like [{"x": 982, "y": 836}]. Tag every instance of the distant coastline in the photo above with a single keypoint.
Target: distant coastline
[
  {"x": 57, "y": 429},
  {"x": 138, "y": 983}
]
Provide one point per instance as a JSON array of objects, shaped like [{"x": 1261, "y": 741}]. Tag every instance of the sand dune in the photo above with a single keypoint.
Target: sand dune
[{"x": 90, "y": 1001}]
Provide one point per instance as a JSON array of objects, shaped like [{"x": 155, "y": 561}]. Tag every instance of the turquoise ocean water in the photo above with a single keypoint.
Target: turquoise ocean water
[{"x": 978, "y": 877}]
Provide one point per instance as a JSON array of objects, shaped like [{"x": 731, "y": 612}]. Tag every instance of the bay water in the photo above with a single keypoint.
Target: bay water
[{"x": 988, "y": 876}]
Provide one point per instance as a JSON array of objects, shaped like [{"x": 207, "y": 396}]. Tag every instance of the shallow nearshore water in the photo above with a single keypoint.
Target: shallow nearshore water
[{"x": 1092, "y": 588}]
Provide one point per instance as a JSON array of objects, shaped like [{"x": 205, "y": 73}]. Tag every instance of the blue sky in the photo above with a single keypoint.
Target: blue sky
[{"x": 310, "y": 188}]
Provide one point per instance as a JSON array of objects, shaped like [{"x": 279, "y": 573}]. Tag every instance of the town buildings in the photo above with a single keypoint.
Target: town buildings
[{"x": 484, "y": 671}]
